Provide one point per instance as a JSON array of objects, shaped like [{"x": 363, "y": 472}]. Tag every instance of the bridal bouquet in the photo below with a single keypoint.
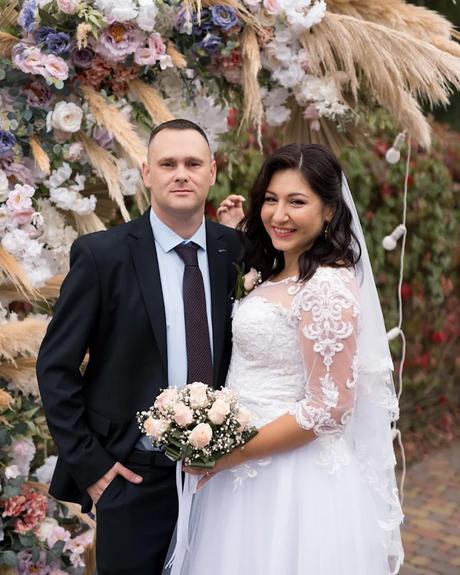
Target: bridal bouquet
[{"x": 196, "y": 424}]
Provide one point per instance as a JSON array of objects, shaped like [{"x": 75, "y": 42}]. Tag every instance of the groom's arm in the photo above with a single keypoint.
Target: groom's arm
[{"x": 58, "y": 369}]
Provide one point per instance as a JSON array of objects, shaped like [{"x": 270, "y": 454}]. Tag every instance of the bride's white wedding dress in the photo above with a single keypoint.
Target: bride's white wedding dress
[{"x": 316, "y": 510}]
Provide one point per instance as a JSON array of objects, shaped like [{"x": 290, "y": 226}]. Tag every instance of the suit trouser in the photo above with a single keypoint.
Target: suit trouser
[{"x": 135, "y": 523}]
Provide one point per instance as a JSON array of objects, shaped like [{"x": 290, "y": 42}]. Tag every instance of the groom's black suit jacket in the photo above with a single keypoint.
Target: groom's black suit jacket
[{"x": 111, "y": 306}]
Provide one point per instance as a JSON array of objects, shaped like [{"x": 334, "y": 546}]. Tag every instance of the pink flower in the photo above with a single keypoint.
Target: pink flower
[
  {"x": 218, "y": 412},
  {"x": 166, "y": 399},
  {"x": 22, "y": 453},
  {"x": 68, "y": 6},
  {"x": 200, "y": 435},
  {"x": 156, "y": 44},
  {"x": 118, "y": 40},
  {"x": 74, "y": 153},
  {"x": 29, "y": 507},
  {"x": 155, "y": 428},
  {"x": 145, "y": 57},
  {"x": 243, "y": 417},
  {"x": 56, "y": 67},
  {"x": 183, "y": 415},
  {"x": 273, "y": 7},
  {"x": 198, "y": 395},
  {"x": 250, "y": 280},
  {"x": 19, "y": 199}
]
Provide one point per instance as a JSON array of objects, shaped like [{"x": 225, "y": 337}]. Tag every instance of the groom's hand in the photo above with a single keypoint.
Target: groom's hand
[{"x": 97, "y": 489}]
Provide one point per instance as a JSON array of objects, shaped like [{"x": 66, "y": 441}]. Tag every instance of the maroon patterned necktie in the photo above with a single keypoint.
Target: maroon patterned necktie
[{"x": 199, "y": 361}]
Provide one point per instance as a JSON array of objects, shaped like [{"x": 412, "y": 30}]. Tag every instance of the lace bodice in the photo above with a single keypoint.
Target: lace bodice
[{"x": 294, "y": 350}]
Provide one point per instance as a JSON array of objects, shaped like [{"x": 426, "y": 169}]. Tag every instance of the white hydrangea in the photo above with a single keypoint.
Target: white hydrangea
[
  {"x": 323, "y": 93},
  {"x": 116, "y": 11},
  {"x": 148, "y": 11},
  {"x": 303, "y": 14},
  {"x": 130, "y": 178}
]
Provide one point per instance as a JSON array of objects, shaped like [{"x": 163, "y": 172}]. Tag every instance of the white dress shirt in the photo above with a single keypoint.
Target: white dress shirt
[{"x": 171, "y": 269}]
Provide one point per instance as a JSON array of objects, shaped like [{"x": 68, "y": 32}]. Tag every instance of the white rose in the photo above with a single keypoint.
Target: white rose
[
  {"x": 45, "y": 528},
  {"x": 155, "y": 428},
  {"x": 67, "y": 117},
  {"x": 3, "y": 186},
  {"x": 12, "y": 471},
  {"x": 219, "y": 410}
]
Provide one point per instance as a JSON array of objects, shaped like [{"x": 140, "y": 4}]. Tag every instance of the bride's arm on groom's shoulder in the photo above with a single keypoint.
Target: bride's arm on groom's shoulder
[
  {"x": 328, "y": 344},
  {"x": 58, "y": 369},
  {"x": 230, "y": 211}
]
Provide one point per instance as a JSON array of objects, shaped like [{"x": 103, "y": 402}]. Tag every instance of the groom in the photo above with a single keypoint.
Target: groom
[{"x": 149, "y": 301}]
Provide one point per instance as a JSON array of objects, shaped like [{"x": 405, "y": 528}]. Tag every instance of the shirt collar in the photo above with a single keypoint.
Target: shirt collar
[{"x": 168, "y": 239}]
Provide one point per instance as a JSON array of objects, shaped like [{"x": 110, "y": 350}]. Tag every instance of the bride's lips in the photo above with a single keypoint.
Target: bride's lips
[{"x": 282, "y": 232}]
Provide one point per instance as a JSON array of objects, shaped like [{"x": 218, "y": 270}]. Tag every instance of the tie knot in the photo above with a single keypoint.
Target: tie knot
[{"x": 188, "y": 253}]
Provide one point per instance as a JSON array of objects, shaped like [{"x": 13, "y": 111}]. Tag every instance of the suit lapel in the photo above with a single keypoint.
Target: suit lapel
[
  {"x": 218, "y": 270},
  {"x": 142, "y": 246}
]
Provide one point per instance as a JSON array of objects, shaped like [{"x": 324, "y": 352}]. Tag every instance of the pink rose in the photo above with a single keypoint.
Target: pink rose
[
  {"x": 56, "y": 67},
  {"x": 200, "y": 435},
  {"x": 75, "y": 152},
  {"x": 219, "y": 410},
  {"x": 155, "y": 428},
  {"x": 243, "y": 417},
  {"x": 166, "y": 399},
  {"x": 272, "y": 7},
  {"x": 145, "y": 57},
  {"x": 156, "y": 44},
  {"x": 183, "y": 415},
  {"x": 250, "y": 280},
  {"x": 198, "y": 395},
  {"x": 68, "y": 6}
]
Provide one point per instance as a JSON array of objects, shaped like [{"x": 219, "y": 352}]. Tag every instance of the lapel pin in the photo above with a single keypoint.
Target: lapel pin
[{"x": 222, "y": 251}]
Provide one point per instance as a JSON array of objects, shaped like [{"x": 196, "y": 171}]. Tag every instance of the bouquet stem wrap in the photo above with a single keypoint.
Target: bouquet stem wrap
[{"x": 185, "y": 495}]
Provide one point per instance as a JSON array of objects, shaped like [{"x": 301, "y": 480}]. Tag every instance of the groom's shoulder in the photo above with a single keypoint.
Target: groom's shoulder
[
  {"x": 218, "y": 232},
  {"x": 112, "y": 237}
]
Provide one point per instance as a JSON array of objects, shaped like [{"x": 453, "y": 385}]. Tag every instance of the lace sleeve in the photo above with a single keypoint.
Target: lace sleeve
[{"x": 327, "y": 310}]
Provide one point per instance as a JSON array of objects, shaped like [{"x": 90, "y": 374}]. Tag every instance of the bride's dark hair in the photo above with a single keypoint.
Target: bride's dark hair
[{"x": 322, "y": 171}]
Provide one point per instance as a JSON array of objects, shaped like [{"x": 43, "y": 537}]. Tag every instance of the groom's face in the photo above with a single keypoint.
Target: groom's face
[{"x": 179, "y": 172}]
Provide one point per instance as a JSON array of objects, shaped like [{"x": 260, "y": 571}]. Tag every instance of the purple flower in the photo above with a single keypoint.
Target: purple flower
[
  {"x": 82, "y": 58},
  {"x": 189, "y": 24},
  {"x": 118, "y": 40},
  {"x": 224, "y": 17},
  {"x": 27, "y": 18},
  {"x": 7, "y": 142},
  {"x": 211, "y": 43},
  {"x": 41, "y": 34},
  {"x": 57, "y": 42}
]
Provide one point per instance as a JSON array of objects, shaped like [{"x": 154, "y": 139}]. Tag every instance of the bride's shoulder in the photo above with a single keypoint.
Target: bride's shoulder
[{"x": 341, "y": 274}]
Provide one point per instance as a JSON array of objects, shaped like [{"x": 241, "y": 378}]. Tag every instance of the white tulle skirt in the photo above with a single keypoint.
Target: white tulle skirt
[{"x": 296, "y": 515}]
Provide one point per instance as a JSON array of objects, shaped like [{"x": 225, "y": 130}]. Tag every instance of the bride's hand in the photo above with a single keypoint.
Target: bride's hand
[
  {"x": 228, "y": 461},
  {"x": 230, "y": 211}
]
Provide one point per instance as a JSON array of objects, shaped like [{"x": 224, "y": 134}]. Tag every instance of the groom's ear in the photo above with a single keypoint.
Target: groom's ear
[{"x": 213, "y": 171}]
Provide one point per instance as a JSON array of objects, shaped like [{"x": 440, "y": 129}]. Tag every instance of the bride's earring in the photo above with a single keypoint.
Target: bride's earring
[{"x": 326, "y": 231}]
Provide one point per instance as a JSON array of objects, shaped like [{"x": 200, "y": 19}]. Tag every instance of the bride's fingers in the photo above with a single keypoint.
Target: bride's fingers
[{"x": 206, "y": 477}]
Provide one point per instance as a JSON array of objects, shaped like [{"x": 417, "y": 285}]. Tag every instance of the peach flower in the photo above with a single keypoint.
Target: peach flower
[
  {"x": 243, "y": 417},
  {"x": 166, "y": 399},
  {"x": 183, "y": 415},
  {"x": 155, "y": 428},
  {"x": 200, "y": 435},
  {"x": 198, "y": 395},
  {"x": 219, "y": 410}
]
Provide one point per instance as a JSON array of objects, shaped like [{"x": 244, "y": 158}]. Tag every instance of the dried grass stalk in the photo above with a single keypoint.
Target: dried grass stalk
[
  {"x": 21, "y": 338},
  {"x": 87, "y": 223},
  {"x": 253, "y": 108},
  {"x": 13, "y": 272},
  {"x": 375, "y": 57},
  {"x": 415, "y": 20},
  {"x": 106, "y": 166},
  {"x": 7, "y": 41},
  {"x": 49, "y": 291},
  {"x": 41, "y": 158},
  {"x": 21, "y": 376},
  {"x": 113, "y": 120},
  {"x": 152, "y": 101},
  {"x": 177, "y": 58}
]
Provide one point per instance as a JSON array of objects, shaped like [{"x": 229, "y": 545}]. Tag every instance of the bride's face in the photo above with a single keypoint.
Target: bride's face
[{"x": 292, "y": 213}]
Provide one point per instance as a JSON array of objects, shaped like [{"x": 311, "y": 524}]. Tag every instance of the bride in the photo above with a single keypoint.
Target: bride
[{"x": 314, "y": 493}]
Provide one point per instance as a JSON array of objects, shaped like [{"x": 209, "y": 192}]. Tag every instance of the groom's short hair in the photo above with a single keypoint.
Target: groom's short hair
[{"x": 178, "y": 124}]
